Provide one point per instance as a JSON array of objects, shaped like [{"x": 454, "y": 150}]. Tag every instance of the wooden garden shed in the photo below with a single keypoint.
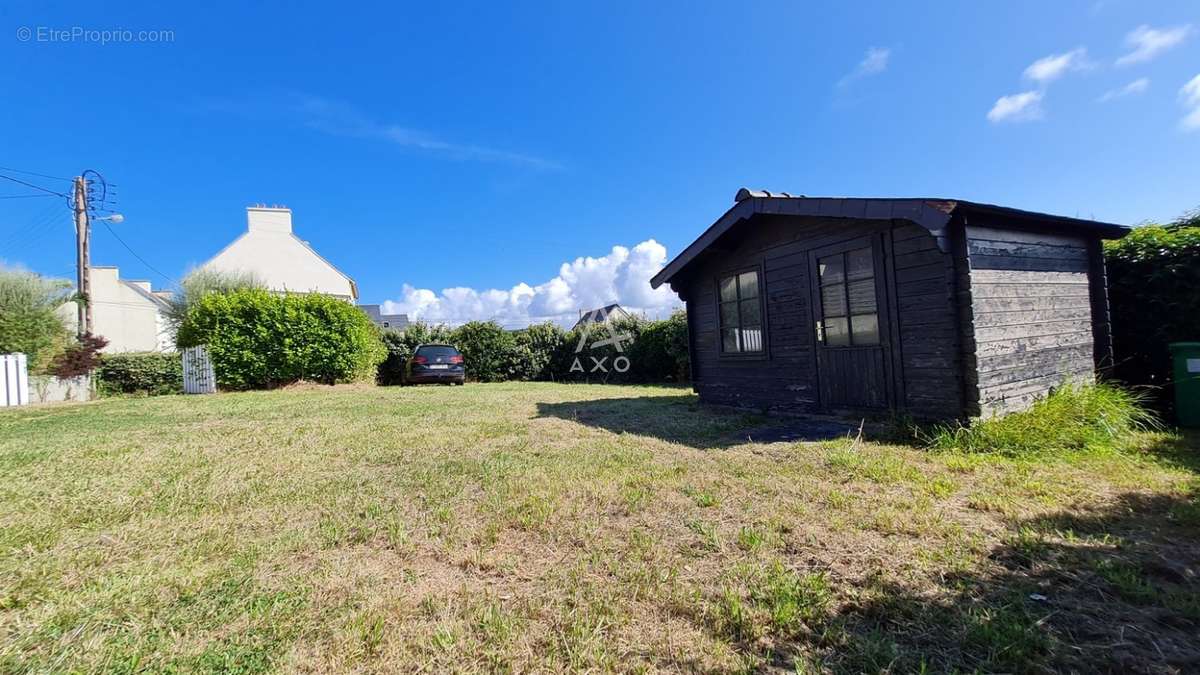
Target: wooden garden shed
[{"x": 937, "y": 308}]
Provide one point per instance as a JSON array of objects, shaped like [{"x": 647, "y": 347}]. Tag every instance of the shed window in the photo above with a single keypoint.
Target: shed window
[
  {"x": 851, "y": 316},
  {"x": 740, "y": 313}
]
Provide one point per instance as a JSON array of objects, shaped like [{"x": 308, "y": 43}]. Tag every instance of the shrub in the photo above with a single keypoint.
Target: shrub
[
  {"x": 259, "y": 339},
  {"x": 534, "y": 351},
  {"x": 1071, "y": 418},
  {"x": 1153, "y": 274},
  {"x": 145, "y": 373},
  {"x": 400, "y": 345},
  {"x": 488, "y": 349},
  {"x": 200, "y": 282},
  {"x": 80, "y": 358},
  {"x": 660, "y": 352},
  {"x": 29, "y": 322}
]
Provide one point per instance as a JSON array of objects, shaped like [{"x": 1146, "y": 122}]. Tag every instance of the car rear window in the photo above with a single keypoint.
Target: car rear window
[{"x": 434, "y": 352}]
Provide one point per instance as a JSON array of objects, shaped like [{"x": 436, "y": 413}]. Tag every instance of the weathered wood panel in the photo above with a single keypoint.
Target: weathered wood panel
[{"x": 1031, "y": 314}]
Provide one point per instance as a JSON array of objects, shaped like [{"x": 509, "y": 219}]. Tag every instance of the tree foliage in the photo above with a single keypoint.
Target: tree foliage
[{"x": 29, "y": 322}]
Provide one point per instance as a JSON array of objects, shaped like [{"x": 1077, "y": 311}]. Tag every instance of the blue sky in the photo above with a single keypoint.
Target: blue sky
[{"x": 517, "y": 139}]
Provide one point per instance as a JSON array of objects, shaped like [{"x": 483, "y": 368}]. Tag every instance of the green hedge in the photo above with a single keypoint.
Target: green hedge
[
  {"x": 1154, "y": 293},
  {"x": 652, "y": 351},
  {"x": 400, "y": 346},
  {"x": 145, "y": 373},
  {"x": 258, "y": 339}
]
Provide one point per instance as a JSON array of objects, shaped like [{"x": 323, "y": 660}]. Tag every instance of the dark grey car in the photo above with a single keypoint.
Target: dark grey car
[{"x": 435, "y": 363}]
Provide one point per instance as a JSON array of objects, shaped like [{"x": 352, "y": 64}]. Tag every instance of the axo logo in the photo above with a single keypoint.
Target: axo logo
[{"x": 597, "y": 321}]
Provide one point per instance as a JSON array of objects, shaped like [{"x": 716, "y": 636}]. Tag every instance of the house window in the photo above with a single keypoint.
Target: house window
[
  {"x": 740, "y": 313},
  {"x": 848, "y": 306}
]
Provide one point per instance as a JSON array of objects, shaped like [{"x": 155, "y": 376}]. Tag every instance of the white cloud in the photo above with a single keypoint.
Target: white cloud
[
  {"x": 1190, "y": 95},
  {"x": 1017, "y": 107},
  {"x": 875, "y": 61},
  {"x": 1049, "y": 68},
  {"x": 621, "y": 276},
  {"x": 1138, "y": 86},
  {"x": 1148, "y": 42}
]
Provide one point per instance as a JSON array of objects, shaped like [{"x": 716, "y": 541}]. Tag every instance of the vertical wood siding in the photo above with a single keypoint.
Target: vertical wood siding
[
  {"x": 1032, "y": 324},
  {"x": 925, "y": 363}
]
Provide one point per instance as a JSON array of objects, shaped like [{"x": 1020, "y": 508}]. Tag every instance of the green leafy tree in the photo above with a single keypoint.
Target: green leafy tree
[{"x": 29, "y": 322}]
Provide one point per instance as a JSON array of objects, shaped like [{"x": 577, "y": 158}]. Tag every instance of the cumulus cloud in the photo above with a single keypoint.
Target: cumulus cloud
[
  {"x": 1190, "y": 95},
  {"x": 621, "y": 276},
  {"x": 1049, "y": 68},
  {"x": 875, "y": 61},
  {"x": 1017, "y": 107},
  {"x": 1147, "y": 42},
  {"x": 1138, "y": 86}
]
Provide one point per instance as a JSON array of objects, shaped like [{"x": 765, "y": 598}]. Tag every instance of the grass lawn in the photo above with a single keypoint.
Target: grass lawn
[{"x": 530, "y": 526}]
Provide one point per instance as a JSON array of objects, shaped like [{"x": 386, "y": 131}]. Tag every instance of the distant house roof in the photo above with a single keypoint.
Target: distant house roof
[
  {"x": 601, "y": 315},
  {"x": 375, "y": 313},
  {"x": 931, "y": 213}
]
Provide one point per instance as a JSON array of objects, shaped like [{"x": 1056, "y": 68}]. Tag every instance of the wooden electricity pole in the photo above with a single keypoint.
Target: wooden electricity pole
[{"x": 83, "y": 256}]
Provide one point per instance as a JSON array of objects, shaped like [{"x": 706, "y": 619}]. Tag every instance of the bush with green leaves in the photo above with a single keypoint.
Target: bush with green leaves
[
  {"x": 534, "y": 351},
  {"x": 400, "y": 345},
  {"x": 1154, "y": 294},
  {"x": 140, "y": 373},
  {"x": 650, "y": 351},
  {"x": 29, "y": 320},
  {"x": 660, "y": 352},
  {"x": 488, "y": 349},
  {"x": 200, "y": 282},
  {"x": 258, "y": 339}
]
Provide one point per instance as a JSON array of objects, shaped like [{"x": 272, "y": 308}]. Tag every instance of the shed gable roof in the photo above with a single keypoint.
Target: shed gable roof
[{"x": 932, "y": 214}]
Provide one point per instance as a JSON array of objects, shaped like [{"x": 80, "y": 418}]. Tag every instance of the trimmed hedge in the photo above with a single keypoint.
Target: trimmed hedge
[
  {"x": 1154, "y": 293},
  {"x": 651, "y": 351},
  {"x": 258, "y": 339},
  {"x": 400, "y": 346},
  {"x": 140, "y": 373}
]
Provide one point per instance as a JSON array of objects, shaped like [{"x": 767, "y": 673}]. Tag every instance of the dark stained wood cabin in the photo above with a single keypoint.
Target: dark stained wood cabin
[{"x": 931, "y": 307}]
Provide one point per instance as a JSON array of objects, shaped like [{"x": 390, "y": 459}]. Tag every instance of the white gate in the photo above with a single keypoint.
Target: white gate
[
  {"x": 198, "y": 376},
  {"x": 14, "y": 380}
]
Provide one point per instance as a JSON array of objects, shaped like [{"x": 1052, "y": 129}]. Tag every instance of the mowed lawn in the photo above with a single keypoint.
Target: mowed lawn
[{"x": 541, "y": 527}]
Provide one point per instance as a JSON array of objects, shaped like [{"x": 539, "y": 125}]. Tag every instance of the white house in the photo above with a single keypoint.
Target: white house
[
  {"x": 128, "y": 313},
  {"x": 284, "y": 262}
]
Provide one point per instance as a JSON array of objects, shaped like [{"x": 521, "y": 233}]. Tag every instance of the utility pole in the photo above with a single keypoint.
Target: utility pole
[{"x": 83, "y": 256}]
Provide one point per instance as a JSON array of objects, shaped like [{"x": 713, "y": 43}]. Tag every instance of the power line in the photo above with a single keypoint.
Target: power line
[
  {"x": 36, "y": 187},
  {"x": 38, "y": 226},
  {"x": 24, "y": 196},
  {"x": 135, "y": 255},
  {"x": 31, "y": 173}
]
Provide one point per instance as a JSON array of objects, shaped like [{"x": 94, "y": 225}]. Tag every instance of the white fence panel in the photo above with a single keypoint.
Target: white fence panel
[
  {"x": 198, "y": 376},
  {"x": 14, "y": 380}
]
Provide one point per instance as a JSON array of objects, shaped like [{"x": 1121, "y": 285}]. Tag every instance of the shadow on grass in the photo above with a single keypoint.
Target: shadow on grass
[
  {"x": 1112, "y": 588},
  {"x": 683, "y": 419}
]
